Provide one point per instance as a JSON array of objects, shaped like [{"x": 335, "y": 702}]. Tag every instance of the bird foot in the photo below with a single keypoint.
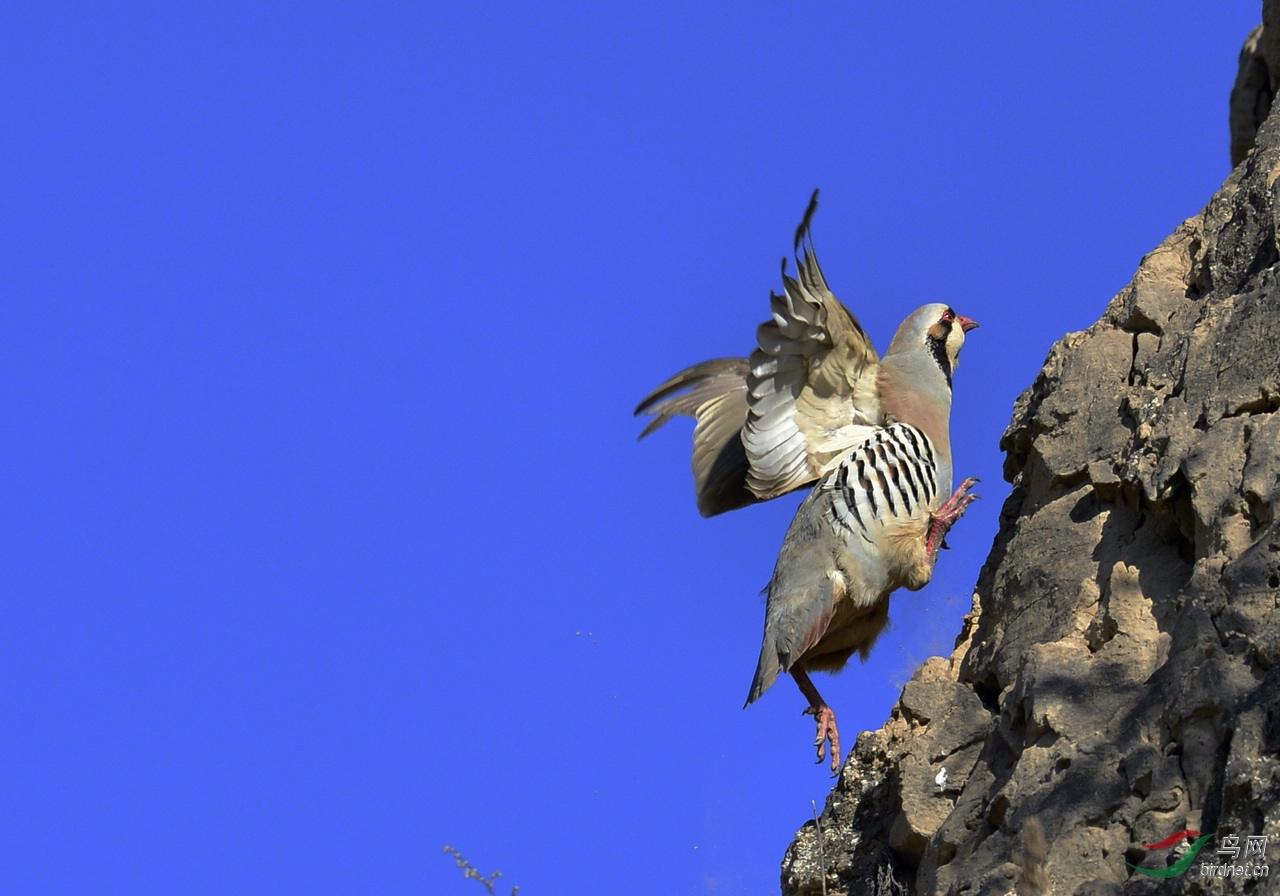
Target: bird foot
[
  {"x": 827, "y": 733},
  {"x": 947, "y": 515}
]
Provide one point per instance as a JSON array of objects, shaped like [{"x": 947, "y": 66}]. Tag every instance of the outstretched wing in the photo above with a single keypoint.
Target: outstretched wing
[
  {"x": 716, "y": 397},
  {"x": 812, "y": 391}
]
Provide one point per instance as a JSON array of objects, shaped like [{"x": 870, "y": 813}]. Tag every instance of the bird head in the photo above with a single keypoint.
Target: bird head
[{"x": 937, "y": 330}]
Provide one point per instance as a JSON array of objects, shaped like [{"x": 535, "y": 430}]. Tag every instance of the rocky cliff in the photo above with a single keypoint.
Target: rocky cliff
[{"x": 1118, "y": 679}]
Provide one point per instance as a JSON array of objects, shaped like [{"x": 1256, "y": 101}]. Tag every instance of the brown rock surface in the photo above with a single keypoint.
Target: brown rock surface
[{"x": 1118, "y": 678}]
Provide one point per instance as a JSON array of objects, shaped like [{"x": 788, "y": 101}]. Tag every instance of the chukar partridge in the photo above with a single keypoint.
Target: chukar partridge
[{"x": 816, "y": 403}]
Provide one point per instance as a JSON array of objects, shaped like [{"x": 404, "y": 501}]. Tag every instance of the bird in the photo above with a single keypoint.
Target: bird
[{"x": 814, "y": 405}]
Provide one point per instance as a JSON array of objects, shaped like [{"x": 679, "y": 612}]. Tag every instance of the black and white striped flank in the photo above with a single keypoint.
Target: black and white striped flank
[{"x": 893, "y": 474}]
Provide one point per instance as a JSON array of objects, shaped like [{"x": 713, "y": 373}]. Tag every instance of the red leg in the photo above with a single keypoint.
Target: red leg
[
  {"x": 827, "y": 731},
  {"x": 947, "y": 515}
]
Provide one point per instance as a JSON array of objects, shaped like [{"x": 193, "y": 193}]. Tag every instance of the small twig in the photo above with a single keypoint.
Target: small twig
[
  {"x": 469, "y": 870},
  {"x": 822, "y": 847}
]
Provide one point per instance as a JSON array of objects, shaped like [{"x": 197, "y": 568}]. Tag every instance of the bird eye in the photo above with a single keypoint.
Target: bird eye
[{"x": 949, "y": 316}]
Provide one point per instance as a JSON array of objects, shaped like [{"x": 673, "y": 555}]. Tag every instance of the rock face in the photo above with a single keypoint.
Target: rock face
[
  {"x": 1118, "y": 679},
  {"x": 1256, "y": 81}
]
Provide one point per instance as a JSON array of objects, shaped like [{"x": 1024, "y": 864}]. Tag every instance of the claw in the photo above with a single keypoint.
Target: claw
[
  {"x": 827, "y": 733},
  {"x": 947, "y": 514}
]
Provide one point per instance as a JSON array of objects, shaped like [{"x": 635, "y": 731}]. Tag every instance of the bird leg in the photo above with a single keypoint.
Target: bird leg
[
  {"x": 827, "y": 731},
  {"x": 941, "y": 522}
]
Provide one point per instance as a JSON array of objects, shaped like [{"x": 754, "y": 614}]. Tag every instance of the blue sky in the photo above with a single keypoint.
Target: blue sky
[{"x": 327, "y": 539}]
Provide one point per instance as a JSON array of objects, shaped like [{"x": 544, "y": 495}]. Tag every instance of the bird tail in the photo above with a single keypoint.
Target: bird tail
[
  {"x": 767, "y": 672},
  {"x": 799, "y": 607}
]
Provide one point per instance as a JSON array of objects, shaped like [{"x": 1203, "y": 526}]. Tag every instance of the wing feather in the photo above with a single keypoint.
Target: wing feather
[
  {"x": 787, "y": 415},
  {"x": 812, "y": 380},
  {"x": 714, "y": 393}
]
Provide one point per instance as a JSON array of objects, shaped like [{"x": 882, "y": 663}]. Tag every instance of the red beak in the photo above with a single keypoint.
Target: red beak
[{"x": 966, "y": 323}]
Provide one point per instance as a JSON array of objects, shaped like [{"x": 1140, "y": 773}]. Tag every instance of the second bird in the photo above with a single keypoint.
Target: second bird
[{"x": 815, "y": 403}]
